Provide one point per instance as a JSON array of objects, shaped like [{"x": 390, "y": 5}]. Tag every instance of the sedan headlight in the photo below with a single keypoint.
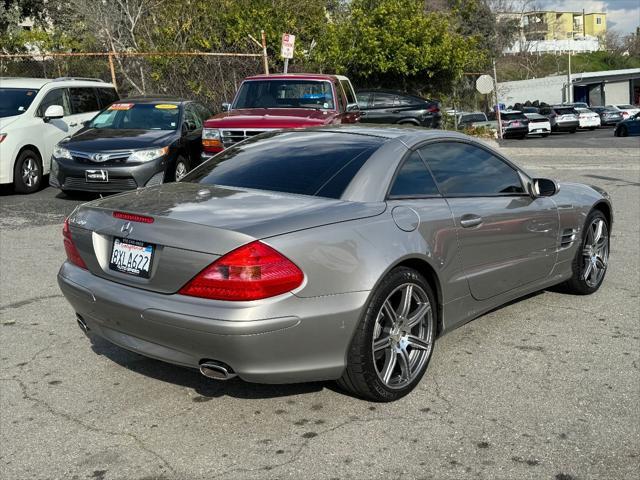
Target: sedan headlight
[
  {"x": 61, "y": 152},
  {"x": 148, "y": 155}
]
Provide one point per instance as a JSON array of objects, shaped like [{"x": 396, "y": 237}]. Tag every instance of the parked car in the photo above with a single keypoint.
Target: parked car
[
  {"x": 562, "y": 118},
  {"x": 588, "y": 118},
  {"x": 625, "y": 109},
  {"x": 514, "y": 123},
  {"x": 526, "y": 110},
  {"x": 608, "y": 116},
  {"x": 272, "y": 102},
  {"x": 576, "y": 105},
  {"x": 230, "y": 271},
  {"x": 35, "y": 114},
  {"x": 538, "y": 124},
  {"x": 388, "y": 106},
  {"x": 468, "y": 119},
  {"x": 630, "y": 126},
  {"x": 133, "y": 143}
]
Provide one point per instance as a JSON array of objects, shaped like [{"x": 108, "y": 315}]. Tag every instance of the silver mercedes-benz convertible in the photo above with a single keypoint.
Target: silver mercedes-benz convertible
[{"x": 337, "y": 253}]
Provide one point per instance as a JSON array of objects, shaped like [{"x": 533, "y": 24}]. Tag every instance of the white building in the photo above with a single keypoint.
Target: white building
[{"x": 594, "y": 88}]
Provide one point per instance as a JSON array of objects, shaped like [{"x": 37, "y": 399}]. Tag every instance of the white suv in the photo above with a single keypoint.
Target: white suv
[{"x": 35, "y": 114}]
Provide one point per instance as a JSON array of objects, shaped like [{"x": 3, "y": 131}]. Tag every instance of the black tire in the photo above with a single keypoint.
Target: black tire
[
  {"x": 361, "y": 376},
  {"x": 577, "y": 284},
  {"x": 623, "y": 131},
  {"x": 573, "y": 130},
  {"x": 173, "y": 175},
  {"x": 545, "y": 135},
  {"x": 522, "y": 137},
  {"x": 27, "y": 172},
  {"x": 592, "y": 128}
]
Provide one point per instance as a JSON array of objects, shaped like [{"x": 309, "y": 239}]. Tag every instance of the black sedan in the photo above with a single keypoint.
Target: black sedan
[
  {"x": 388, "y": 106},
  {"x": 131, "y": 144},
  {"x": 608, "y": 116}
]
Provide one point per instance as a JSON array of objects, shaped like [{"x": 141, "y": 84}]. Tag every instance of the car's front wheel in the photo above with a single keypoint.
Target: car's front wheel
[
  {"x": 623, "y": 132},
  {"x": 393, "y": 343},
  {"x": 27, "y": 173},
  {"x": 591, "y": 261}
]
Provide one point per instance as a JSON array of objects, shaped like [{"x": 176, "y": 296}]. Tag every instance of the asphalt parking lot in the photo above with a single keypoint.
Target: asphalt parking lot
[
  {"x": 599, "y": 138},
  {"x": 545, "y": 388}
]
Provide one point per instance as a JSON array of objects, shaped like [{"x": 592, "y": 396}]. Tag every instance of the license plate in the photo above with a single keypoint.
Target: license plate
[
  {"x": 96, "y": 176},
  {"x": 515, "y": 124},
  {"x": 131, "y": 257}
]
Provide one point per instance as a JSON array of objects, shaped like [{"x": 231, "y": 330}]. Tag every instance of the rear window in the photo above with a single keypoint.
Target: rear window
[
  {"x": 565, "y": 111},
  {"x": 309, "y": 163},
  {"x": 513, "y": 116},
  {"x": 474, "y": 117}
]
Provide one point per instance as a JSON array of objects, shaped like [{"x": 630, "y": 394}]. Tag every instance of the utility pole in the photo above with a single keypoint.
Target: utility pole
[
  {"x": 569, "y": 92},
  {"x": 495, "y": 89}
]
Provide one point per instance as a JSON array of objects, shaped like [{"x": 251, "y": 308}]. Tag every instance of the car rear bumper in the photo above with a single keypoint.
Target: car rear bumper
[
  {"x": 282, "y": 340},
  {"x": 70, "y": 175},
  {"x": 566, "y": 126},
  {"x": 515, "y": 131}
]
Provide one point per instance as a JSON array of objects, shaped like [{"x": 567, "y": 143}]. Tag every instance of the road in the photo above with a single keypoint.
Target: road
[{"x": 544, "y": 388}]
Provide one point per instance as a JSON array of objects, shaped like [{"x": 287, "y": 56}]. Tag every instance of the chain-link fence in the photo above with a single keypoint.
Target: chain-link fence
[{"x": 212, "y": 78}]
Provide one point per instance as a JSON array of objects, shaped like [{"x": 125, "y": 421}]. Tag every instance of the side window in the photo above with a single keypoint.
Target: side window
[
  {"x": 54, "y": 97},
  {"x": 107, "y": 96},
  {"x": 363, "y": 99},
  {"x": 348, "y": 91},
  {"x": 83, "y": 100},
  {"x": 341, "y": 105},
  {"x": 466, "y": 170},
  {"x": 413, "y": 179},
  {"x": 407, "y": 101},
  {"x": 190, "y": 115},
  {"x": 381, "y": 100}
]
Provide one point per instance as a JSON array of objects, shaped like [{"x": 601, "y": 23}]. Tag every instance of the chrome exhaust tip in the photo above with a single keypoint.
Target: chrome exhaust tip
[
  {"x": 82, "y": 324},
  {"x": 216, "y": 370}
]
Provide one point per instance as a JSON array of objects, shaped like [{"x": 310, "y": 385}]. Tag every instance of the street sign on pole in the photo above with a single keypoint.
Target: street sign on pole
[
  {"x": 484, "y": 84},
  {"x": 286, "y": 49}
]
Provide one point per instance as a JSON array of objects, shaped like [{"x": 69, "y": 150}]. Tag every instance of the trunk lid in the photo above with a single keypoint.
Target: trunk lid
[{"x": 194, "y": 224}]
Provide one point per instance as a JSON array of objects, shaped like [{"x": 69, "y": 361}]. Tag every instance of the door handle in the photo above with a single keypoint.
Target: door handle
[
  {"x": 73, "y": 124},
  {"x": 470, "y": 220}
]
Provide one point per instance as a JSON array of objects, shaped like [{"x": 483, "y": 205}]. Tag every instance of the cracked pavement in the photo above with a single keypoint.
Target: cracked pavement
[{"x": 547, "y": 387}]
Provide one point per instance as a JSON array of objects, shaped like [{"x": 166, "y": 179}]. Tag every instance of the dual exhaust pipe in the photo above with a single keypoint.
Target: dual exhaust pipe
[{"x": 216, "y": 370}]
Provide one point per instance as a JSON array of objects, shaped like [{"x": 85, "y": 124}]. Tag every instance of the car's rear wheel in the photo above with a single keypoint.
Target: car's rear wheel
[
  {"x": 393, "y": 343},
  {"x": 591, "y": 260},
  {"x": 573, "y": 130},
  {"x": 545, "y": 135},
  {"x": 27, "y": 173}
]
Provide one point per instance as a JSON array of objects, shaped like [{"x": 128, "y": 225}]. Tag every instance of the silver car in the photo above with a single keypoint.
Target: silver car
[{"x": 340, "y": 253}]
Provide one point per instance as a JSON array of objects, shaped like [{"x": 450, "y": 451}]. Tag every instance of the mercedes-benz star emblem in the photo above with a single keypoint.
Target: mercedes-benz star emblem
[{"x": 126, "y": 229}]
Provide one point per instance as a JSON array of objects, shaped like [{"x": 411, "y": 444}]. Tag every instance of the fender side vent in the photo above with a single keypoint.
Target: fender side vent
[{"x": 568, "y": 237}]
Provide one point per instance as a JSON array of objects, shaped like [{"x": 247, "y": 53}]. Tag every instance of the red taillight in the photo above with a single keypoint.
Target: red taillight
[
  {"x": 433, "y": 109},
  {"x": 132, "y": 217},
  {"x": 72, "y": 252},
  {"x": 251, "y": 272}
]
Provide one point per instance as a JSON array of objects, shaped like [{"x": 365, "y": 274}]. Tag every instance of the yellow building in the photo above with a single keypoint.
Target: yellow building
[{"x": 547, "y": 25}]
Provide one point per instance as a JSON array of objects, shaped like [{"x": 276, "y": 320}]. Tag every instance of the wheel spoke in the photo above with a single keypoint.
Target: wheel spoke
[
  {"x": 600, "y": 263},
  {"x": 418, "y": 315},
  {"x": 405, "y": 301},
  {"x": 405, "y": 364},
  {"x": 587, "y": 271},
  {"x": 598, "y": 231},
  {"x": 418, "y": 343},
  {"x": 390, "y": 312},
  {"x": 381, "y": 344},
  {"x": 389, "y": 366},
  {"x": 586, "y": 252}
]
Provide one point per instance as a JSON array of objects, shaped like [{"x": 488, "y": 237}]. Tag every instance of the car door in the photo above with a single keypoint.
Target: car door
[
  {"x": 382, "y": 107},
  {"x": 352, "y": 110},
  {"x": 506, "y": 238},
  {"x": 192, "y": 133},
  {"x": 52, "y": 131},
  {"x": 84, "y": 106}
]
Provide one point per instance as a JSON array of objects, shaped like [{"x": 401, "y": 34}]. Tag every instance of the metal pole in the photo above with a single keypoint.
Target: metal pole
[
  {"x": 264, "y": 52},
  {"x": 495, "y": 89},
  {"x": 569, "y": 92},
  {"x": 286, "y": 65},
  {"x": 113, "y": 70}
]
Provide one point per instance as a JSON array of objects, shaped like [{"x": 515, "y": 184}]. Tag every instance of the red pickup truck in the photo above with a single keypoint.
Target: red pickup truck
[{"x": 273, "y": 102}]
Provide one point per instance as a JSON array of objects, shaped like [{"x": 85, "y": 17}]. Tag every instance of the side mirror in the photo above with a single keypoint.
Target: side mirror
[
  {"x": 226, "y": 106},
  {"x": 544, "y": 187},
  {"x": 52, "y": 112},
  {"x": 353, "y": 107}
]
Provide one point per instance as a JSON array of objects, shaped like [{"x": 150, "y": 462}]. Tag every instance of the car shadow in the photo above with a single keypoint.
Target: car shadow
[{"x": 205, "y": 387}]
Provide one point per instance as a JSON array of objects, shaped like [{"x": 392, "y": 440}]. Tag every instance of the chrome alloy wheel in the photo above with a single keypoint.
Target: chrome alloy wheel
[
  {"x": 30, "y": 172},
  {"x": 403, "y": 335},
  {"x": 181, "y": 171},
  {"x": 595, "y": 252}
]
